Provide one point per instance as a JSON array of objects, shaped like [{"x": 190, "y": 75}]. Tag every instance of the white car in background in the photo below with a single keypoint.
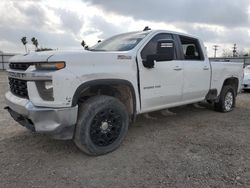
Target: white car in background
[{"x": 246, "y": 80}]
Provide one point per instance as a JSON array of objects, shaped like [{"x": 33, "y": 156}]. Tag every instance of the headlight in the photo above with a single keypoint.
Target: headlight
[{"x": 50, "y": 65}]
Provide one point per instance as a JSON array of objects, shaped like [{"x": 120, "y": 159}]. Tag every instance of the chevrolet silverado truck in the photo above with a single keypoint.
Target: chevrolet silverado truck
[{"x": 92, "y": 96}]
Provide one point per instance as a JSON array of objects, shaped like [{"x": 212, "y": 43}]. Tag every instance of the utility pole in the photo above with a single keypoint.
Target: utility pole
[
  {"x": 234, "y": 50},
  {"x": 215, "y": 50}
]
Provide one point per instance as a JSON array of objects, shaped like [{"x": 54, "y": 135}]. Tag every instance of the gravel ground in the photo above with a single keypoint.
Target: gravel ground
[{"x": 191, "y": 147}]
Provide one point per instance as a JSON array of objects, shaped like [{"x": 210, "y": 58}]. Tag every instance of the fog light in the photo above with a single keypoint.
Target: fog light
[
  {"x": 48, "y": 85},
  {"x": 45, "y": 90}
]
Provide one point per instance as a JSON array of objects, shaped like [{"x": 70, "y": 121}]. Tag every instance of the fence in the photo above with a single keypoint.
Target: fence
[{"x": 4, "y": 59}]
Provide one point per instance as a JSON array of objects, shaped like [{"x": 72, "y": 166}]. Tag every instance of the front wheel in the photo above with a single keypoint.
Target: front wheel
[
  {"x": 227, "y": 100},
  {"x": 102, "y": 125}
]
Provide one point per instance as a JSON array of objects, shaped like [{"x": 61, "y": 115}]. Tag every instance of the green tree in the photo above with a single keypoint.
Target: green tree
[{"x": 226, "y": 53}]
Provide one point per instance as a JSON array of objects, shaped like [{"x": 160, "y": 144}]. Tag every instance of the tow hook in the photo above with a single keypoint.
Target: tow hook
[
  {"x": 14, "y": 115},
  {"x": 6, "y": 108}
]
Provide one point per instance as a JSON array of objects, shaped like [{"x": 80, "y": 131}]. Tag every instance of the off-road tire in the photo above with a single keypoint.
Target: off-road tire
[{"x": 89, "y": 115}]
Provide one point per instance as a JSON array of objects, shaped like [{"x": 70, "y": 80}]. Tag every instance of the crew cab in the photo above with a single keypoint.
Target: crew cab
[{"x": 93, "y": 95}]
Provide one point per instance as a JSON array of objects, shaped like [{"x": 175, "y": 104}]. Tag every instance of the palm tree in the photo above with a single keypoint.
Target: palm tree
[
  {"x": 34, "y": 42},
  {"x": 24, "y": 41},
  {"x": 83, "y": 43}
]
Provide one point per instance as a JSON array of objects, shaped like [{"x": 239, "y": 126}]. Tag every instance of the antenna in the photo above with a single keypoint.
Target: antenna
[{"x": 146, "y": 28}]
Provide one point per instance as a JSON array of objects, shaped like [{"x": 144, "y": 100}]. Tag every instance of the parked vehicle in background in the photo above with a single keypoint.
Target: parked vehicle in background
[
  {"x": 92, "y": 96},
  {"x": 246, "y": 80}
]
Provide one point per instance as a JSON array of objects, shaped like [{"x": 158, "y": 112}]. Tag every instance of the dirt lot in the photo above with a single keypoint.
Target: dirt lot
[{"x": 192, "y": 148}]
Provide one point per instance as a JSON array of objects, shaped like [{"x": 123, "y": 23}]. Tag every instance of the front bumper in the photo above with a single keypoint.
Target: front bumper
[
  {"x": 246, "y": 84},
  {"x": 58, "y": 122}
]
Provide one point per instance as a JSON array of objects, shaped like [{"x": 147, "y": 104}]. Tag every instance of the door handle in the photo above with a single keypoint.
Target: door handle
[
  {"x": 177, "y": 68},
  {"x": 205, "y": 68}
]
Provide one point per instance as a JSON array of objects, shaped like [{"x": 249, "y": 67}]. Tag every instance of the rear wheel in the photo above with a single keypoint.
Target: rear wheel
[
  {"x": 102, "y": 125},
  {"x": 227, "y": 100}
]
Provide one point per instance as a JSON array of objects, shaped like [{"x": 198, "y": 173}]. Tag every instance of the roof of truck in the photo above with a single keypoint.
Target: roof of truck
[{"x": 174, "y": 32}]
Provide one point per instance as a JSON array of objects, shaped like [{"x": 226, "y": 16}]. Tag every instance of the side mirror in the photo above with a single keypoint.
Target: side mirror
[{"x": 150, "y": 61}]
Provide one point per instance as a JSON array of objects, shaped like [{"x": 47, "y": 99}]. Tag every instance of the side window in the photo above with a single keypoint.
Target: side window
[
  {"x": 191, "y": 48},
  {"x": 151, "y": 46}
]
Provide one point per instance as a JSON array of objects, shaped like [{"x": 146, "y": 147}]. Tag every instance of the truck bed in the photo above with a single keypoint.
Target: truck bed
[{"x": 222, "y": 70}]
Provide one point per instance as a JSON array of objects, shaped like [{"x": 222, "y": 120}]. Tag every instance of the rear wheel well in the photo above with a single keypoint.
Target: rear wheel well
[
  {"x": 234, "y": 82},
  {"x": 122, "y": 91}
]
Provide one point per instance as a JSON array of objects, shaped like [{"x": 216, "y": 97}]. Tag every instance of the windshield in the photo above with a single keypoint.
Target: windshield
[{"x": 123, "y": 42}]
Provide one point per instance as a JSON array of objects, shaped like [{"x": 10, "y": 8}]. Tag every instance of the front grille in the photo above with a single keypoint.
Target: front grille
[
  {"x": 18, "y": 87},
  {"x": 20, "y": 66}
]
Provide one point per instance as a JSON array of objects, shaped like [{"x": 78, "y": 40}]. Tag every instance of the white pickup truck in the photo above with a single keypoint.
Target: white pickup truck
[{"x": 91, "y": 96}]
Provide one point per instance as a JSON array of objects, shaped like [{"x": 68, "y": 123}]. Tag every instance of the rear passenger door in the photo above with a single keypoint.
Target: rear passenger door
[{"x": 196, "y": 70}]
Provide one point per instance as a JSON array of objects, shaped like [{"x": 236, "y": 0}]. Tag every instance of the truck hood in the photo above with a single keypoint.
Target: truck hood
[
  {"x": 33, "y": 57},
  {"x": 69, "y": 56},
  {"x": 91, "y": 57}
]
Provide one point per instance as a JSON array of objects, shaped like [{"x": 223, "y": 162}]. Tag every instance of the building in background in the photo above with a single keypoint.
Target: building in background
[{"x": 4, "y": 59}]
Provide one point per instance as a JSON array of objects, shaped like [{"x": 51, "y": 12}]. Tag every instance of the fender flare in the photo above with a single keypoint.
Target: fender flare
[
  {"x": 232, "y": 78},
  {"x": 107, "y": 82}
]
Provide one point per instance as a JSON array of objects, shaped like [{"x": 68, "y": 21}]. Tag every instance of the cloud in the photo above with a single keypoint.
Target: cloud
[
  {"x": 34, "y": 13},
  {"x": 229, "y": 13},
  {"x": 70, "y": 21},
  {"x": 45, "y": 39},
  {"x": 64, "y": 24},
  {"x": 33, "y": 19},
  {"x": 214, "y": 34},
  {"x": 222, "y": 22},
  {"x": 103, "y": 28}
]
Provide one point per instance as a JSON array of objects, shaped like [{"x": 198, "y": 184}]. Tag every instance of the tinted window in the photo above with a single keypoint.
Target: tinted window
[
  {"x": 191, "y": 48},
  {"x": 151, "y": 46}
]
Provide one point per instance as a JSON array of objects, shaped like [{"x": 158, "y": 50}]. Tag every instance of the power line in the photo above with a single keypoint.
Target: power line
[
  {"x": 234, "y": 50},
  {"x": 215, "y": 47}
]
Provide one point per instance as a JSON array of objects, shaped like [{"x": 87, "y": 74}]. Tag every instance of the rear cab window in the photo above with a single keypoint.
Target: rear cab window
[{"x": 191, "y": 48}]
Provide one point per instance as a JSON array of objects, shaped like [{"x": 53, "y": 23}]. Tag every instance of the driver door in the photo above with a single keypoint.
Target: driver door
[{"x": 161, "y": 86}]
